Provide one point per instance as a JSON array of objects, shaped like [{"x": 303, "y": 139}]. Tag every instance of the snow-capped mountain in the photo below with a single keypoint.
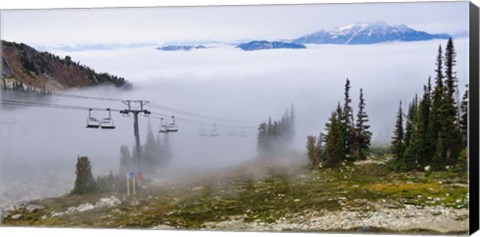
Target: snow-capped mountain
[{"x": 367, "y": 33}]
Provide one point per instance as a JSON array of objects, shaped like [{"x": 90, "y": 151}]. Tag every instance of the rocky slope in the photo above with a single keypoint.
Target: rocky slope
[{"x": 26, "y": 69}]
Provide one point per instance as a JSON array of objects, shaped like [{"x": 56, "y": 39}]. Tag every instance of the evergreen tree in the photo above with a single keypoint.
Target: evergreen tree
[
  {"x": 276, "y": 136},
  {"x": 335, "y": 140},
  {"x": 424, "y": 151},
  {"x": 437, "y": 113},
  {"x": 397, "y": 146},
  {"x": 311, "y": 150},
  {"x": 464, "y": 117},
  {"x": 262, "y": 139},
  {"x": 450, "y": 74},
  {"x": 410, "y": 156},
  {"x": 319, "y": 148},
  {"x": 347, "y": 122},
  {"x": 150, "y": 155},
  {"x": 363, "y": 135},
  {"x": 84, "y": 182},
  {"x": 451, "y": 130},
  {"x": 125, "y": 160},
  {"x": 166, "y": 151}
]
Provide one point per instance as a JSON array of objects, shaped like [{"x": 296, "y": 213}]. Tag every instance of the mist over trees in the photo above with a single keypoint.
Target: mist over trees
[
  {"x": 155, "y": 154},
  {"x": 276, "y": 136},
  {"x": 435, "y": 127},
  {"x": 345, "y": 139}
]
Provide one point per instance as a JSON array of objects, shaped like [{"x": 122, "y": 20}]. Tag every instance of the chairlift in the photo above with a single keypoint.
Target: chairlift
[
  {"x": 91, "y": 121},
  {"x": 172, "y": 127},
  {"x": 107, "y": 123},
  {"x": 213, "y": 131},
  {"x": 163, "y": 127}
]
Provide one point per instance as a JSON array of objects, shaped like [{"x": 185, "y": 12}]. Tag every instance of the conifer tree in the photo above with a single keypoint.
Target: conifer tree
[
  {"x": 335, "y": 142},
  {"x": 149, "y": 156},
  {"x": 410, "y": 156},
  {"x": 423, "y": 149},
  {"x": 451, "y": 130},
  {"x": 311, "y": 150},
  {"x": 319, "y": 148},
  {"x": 125, "y": 160},
  {"x": 363, "y": 135},
  {"x": 397, "y": 146},
  {"x": 84, "y": 182},
  {"x": 348, "y": 121},
  {"x": 437, "y": 112},
  {"x": 464, "y": 117}
]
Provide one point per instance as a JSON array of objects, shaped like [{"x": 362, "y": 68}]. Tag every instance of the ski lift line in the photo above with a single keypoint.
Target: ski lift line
[
  {"x": 196, "y": 121},
  {"x": 85, "y": 97},
  {"x": 54, "y": 106},
  {"x": 181, "y": 118},
  {"x": 163, "y": 107},
  {"x": 153, "y": 105}
]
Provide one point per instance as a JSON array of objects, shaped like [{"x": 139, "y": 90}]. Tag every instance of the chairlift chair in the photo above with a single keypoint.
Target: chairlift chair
[
  {"x": 172, "y": 127},
  {"x": 163, "y": 127},
  {"x": 91, "y": 121},
  {"x": 107, "y": 123}
]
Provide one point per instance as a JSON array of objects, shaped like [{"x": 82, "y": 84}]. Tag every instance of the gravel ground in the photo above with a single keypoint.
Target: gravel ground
[{"x": 435, "y": 218}]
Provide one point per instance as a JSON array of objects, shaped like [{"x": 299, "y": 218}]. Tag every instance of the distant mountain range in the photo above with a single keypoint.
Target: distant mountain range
[
  {"x": 367, "y": 33},
  {"x": 263, "y": 44},
  {"x": 355, "y": 33},
  {"x": 181, "y": 47}
]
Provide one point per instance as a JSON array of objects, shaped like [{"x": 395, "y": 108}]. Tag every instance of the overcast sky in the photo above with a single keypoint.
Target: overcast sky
[{"x": 227, "y": 23}]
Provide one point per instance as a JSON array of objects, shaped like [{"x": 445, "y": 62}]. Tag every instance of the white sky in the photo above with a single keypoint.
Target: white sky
[{"x": 220, "y": 23}]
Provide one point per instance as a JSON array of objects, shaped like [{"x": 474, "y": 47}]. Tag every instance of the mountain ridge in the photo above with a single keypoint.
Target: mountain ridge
[
  {"x": 26, "y": 69},
  {"x": 367, "y": 33}
]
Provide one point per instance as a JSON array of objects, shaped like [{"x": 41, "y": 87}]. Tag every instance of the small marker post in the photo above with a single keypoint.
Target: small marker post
[
  {"x": 128, "y": 187},
  {"x": 133, "y": 182}
]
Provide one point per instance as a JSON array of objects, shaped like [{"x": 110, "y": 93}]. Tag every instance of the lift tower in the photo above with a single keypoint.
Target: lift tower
[{"x": 136, "y": 132}]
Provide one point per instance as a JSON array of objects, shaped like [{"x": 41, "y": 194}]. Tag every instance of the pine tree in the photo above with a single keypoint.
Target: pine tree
[
  {"x": 166, "y": 150},
  {"x": 125, "y": 160},
  {"x": 437, "y": 113},
  {"x": 397, "y": 146},
  {"x": 450, "y": 74},
  {"x": 363, "y": 135},
  {"x": 347, "y": 122},
  {"x": 451, "y": 129},
  {"x": 319, "y": 148},
  {"x": 464, "y": 117},
  {"x": 84, "y": 182},
  {"x": 149, "y": 156},
  {"x": 424, "y": 151},
  {"x": 311, "y": 150},
  {"x": 262, "y": 139},
  {"x": 335, "y": 140},
  {"x": 410, "y": 155}
]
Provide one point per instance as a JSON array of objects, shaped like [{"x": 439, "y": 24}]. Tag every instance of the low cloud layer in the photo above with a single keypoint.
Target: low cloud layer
[{"x": 223, "y": 85}]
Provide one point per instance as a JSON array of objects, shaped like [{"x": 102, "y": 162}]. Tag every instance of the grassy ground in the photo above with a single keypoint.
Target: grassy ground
[{"x": 266, "y": 194}]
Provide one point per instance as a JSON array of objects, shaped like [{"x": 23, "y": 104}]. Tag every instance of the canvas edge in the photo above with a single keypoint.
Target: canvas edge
[{"x": 473, "y": 118}]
